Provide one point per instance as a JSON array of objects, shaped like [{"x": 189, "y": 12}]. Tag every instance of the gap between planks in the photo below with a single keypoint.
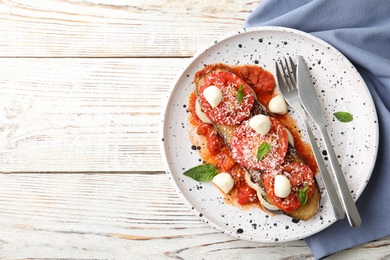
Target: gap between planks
[
  {"x": 85, "y": 172},
  {"x": 99, "y": 57}
]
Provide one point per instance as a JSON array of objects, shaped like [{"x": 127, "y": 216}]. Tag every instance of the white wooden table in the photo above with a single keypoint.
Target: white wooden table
[{"x": 82, "y": 86}]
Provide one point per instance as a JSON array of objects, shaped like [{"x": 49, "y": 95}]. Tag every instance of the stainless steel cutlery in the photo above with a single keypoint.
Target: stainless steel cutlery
[{"x": 297, "y": 88}]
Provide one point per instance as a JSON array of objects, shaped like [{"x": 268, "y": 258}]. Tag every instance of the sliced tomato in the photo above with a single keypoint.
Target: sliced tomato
[
  {"x": 230, "y": 110},
  {"x": 246, "y": 141},
  {"x": 299, "y": 176}
]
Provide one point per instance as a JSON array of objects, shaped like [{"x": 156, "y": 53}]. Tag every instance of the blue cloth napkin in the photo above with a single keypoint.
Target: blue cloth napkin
[{"x": 360, "y": 29}]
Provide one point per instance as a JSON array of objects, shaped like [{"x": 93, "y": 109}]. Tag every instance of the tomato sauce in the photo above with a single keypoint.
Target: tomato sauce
[
  {"x": 214, "y": 150},
  {"x": 217, "y": 152},
  {"x": 303, "y": 148}
]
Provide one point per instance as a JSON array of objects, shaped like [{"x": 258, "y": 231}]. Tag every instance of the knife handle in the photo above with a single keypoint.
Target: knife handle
[
  {"x": 330, "y": 189},
  {"x": 346, "y": 197}
]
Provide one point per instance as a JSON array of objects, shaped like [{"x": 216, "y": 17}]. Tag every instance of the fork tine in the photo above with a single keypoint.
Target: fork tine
[
  {"x": 293, "y": 69},
  {"x": 286, "y": 76},
  {"x": 278, "y": 73}
]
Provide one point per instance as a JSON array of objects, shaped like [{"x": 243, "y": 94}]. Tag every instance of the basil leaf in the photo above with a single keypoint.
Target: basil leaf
[
  {"x": 263, "y": 150},
  {"x": 240, "y": 94},
  {"x": 202, "y": 173},
  {"x": 302, "y": 195},
  {"x": 343, "y": 116}
]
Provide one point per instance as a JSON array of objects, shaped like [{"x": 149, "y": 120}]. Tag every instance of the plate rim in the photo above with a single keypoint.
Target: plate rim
[{"x": 181, "y": 73}]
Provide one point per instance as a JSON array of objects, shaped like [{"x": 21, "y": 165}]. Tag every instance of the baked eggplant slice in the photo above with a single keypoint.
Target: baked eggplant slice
[{"x": 229, "y": 118}]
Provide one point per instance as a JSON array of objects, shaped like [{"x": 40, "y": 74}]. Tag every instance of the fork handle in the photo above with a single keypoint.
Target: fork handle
[
  {"x": 332, "y": 193},
  {"x": 346, "y": 198}
]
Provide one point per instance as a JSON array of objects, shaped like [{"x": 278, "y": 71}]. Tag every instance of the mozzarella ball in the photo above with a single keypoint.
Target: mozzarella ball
[
  {"x": 282, "y": 186},
  {"x": 260, "y": 123},
  {"x": 277, "y": 105},
  {"x": 213, "y": 95},
  {"x": 224, "y": 181}
]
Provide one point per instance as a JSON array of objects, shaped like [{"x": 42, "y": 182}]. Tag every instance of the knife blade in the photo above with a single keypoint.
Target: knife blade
[{"x": 310, "y": 101}]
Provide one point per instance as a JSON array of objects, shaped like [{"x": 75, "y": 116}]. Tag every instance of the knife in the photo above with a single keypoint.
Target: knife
[{"x": 310, "y": 101}]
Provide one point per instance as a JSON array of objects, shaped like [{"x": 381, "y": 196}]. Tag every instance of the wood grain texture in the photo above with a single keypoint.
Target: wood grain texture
[
  {"x": 122, "y": 216},
  {"x": 82, "y": 86},
  {"x": 104, "y": 28},
  {"x": 83, "y": 114}
]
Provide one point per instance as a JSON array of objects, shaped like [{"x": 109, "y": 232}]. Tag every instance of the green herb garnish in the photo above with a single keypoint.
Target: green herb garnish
[
  {"x": 240, "y": 94},
  {"x": 202, "y": 173},
  {"x": 343, "y": 116},
  {"x": 263, "y": 150},
  {"x": 303, "y": 194}
]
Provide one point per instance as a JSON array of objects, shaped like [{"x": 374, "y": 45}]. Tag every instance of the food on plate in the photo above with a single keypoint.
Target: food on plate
[
  {"x": 343, "y": 117},
  {"x": 277, "y": 105},
  {"x": 235, "y": 101},
  {"x": 250, "y": 146},
  {"x": 260, "y": 123},
  {"x": 247, "y": 146},
  {"x": 224, "y": 181}
]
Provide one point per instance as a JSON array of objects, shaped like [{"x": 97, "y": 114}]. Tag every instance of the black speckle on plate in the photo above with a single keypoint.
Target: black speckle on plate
[{"x": 295, "y": 220}]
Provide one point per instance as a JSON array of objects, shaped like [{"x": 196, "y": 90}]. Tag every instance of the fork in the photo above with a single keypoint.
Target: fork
[{"x": 286, "y": 75}]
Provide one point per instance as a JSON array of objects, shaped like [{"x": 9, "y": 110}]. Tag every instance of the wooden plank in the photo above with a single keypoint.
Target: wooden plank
[
  {"x": 82, "y": 114},
  {"x": 122, "y": 216},
  {"x": 105, "y": 28}
]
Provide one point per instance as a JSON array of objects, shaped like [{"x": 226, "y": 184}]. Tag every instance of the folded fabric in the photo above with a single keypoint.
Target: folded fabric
[{"x": 360, "y": 29}]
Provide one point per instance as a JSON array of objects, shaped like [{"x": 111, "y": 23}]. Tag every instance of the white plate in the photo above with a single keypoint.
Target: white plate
[{"x": 340, "y": 88}]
